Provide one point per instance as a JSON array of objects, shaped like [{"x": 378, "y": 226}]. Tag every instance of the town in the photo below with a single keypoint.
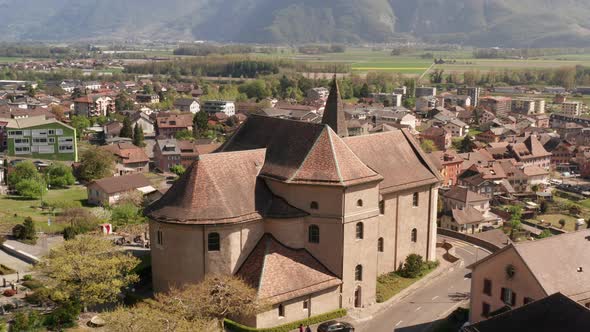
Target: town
[{"x": 268, "y": 195}]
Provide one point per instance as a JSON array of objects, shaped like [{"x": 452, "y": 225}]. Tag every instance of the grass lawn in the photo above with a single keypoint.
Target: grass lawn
[
  {"x": 388, "y": 285},
  {"x": 570, "y": 222},
  {"x": 15, "y": 209}
]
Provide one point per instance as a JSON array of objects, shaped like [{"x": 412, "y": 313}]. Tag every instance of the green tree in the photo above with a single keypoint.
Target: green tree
[
  {"x": 562, "y": 223},
  {"x": 466, "y": 145},
  {"x": 178, "y": 170},
  {"x": 89, "y": 270},
  {"x": 24, "y": 170},
  {"x": 200, "y": 122},
  {"x": 126, "y": 213},
  {"x": 544, "y": 207},
  {"x": 138, "y": 137},
  {"x": 123, "y": 102},
  {"x": 364, "y": 92},
  {"x": 80, "y": 123},
  {"x": 409, "y": 103},
  {"x": 59, "y": 175},
  {"x": 515, "y": 220},
  {"x": 428, "y": 146},
  {"x": 127, "y": 130},
  {"x": 31, "y": 188},
  {"x": 183, "y": 135},
  {"x": 96, "y": 164}
]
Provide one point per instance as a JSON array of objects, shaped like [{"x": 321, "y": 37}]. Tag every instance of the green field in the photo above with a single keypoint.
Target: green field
[{"x": 15, "y": 209}]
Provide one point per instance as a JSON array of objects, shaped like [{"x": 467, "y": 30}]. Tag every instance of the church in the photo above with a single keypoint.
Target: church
[{"x": 306, "y": 215}]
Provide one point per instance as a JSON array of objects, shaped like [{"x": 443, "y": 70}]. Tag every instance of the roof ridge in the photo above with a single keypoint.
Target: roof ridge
[
  {"x": 308, "y": 153},
  {"x": 336, "y": 163}
]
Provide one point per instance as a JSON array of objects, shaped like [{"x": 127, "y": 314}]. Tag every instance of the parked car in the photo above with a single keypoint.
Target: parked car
[{"x": 334, "y": 326}]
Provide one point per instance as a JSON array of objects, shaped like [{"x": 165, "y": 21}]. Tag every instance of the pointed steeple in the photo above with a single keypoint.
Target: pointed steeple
[{"x": 334, "y": 111}]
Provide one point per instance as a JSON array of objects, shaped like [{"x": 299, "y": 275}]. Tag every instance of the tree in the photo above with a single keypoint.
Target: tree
[
  {"x": 126, "y": 213},
  {"x": 80, "y": 123},
  {"x": 127, "y": 130},
  {"x": 77, "y": 93},
  {"x": 515, "y": 220},
  {"x": 562, "y": 223},
  {"x": 544, "y": 207},
  {"x": 409, "y": 102},
  {"x": 31, "y": 188},
  {"x": 413, "y": 266},
  {"x": 364, "y": 92},
  {"x": 466, "y": 145},
  {"x": 89, "y": 270},
  {"x": 184, "y": 134},
  {"x": 138, "y": 136},
  {"x": 22, "y": 171},
  {"x": 123, "y": 102},
  {"x": 59, "y": 175},
  {"x": 177, "y": 169},
  {"x": 200, "y": 122},
  {"x": 59, "y": 112},
  {"x": 428, "y": 146},
  {"x": 29, "y": 232},
  {"x": 96, "y": 164}
]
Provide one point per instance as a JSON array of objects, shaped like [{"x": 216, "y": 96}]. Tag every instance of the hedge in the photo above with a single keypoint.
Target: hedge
[{"x": 237, "y": 327}]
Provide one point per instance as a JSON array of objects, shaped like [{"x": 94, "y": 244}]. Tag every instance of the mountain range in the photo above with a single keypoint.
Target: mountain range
[{"x": 507, "y": 23}]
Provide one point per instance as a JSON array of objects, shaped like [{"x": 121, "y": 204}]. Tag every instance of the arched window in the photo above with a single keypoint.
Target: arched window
[
  {"x": 359, "y": 203},
  {"x": 281, "y": 310},
  {"x": 415, "y": 199},
  {"x": 314, "y": 234},
  {"x": 358, "y": 273},
  {"x": 414, "y": 235},
  {"x": 213, "y": 243},
  {"x": 314, "y": 205},
  {"x": 380, "y": 245},
  {"x": 359, "y": 231}
]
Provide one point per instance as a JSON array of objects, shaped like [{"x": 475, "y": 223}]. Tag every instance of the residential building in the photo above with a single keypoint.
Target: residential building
[
  {"x": 425, "y": 92},
  {"x": 529, "y": 152},
  {"x": 554, "y": 313},
  {"x": 40, "y": 137},
  {"x": 457, "y": 128},
  {"x": 497, "y": 105},
  {"x": 109, "y": 191},
  {"x": 571, "y": 108},
  {"x": 188, "y": 105},
  {"x": 388, "y": 99},
  {"x": 449, "y": 164},
  {"x": 170, "y": 152},
  {"x": 441, "y": 137},
  {"x": 284, "y": 196},
  {"x": 168, "y": 124},
  {"x": 320, "y": 93},
  {"x": 214, "y": 106},
  {"x": 426, "y": 103},
  {"x": 130, "y": 159},
  {"x": 144, "y": 121},
  {"x": 451, "y": 100},
  {"x": 94, "y": 105},
  {"x": 147, "y": 98},
  {"x": 528, "y": 106},
  {"x": 473, "y": 92},
  {"x": 527, "y": 271}
]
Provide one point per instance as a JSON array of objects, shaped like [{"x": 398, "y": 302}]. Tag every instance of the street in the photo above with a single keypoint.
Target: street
[{"x": 436, "y": 300}]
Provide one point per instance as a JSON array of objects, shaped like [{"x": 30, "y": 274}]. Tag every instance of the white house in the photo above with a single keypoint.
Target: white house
[{"x": 215, "y": 106}]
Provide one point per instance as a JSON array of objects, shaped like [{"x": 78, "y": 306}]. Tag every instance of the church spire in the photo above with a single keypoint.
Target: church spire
[{"x": 334, "y": 111}]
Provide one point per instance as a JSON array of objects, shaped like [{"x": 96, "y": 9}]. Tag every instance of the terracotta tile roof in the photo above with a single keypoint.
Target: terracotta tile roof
[
  {"x": 280, "y": 273},
  {"x": 334, "y": 111},
  {"x": 442, "y": 158},
  {"x": 395, "y": 155},
  {"x": 220, "y": 188},
  {"x": 554, "y": 313},
  {"x": 174, "y": 120},
  {"x": 127, "y": 153},
  {"x": 467, "y": 216},
  {"x": 464, "y": 195},
  {"x": 118, "y": 184},
  {"x": 301, "y": 152}
]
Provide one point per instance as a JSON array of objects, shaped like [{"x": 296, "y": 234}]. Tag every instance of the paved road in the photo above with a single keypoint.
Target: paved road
[{"x": 436, "y": 300}]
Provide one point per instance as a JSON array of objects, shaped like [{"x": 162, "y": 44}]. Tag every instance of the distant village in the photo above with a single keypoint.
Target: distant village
[{"x": 501, "y": 167}]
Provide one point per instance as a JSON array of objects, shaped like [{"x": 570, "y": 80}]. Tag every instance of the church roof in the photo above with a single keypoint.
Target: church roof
[
  {"x": 221, "y": 188},
  {"x": 281, "y": 273}
]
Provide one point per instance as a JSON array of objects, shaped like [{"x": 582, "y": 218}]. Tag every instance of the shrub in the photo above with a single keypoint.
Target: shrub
[
  {"x": 237, "y": 327},
  {"x": 9, "y": 293},
  {"x": 18, "y": 231},
  {"x": 412, "y": 267},
  {"x": 27, "y": 277},
  {"x": 63, "y": 317},
  {"x": 69, "y": 233},
  {"x": 33, "y": 284},
  {"x": 29, "y": 321}
]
